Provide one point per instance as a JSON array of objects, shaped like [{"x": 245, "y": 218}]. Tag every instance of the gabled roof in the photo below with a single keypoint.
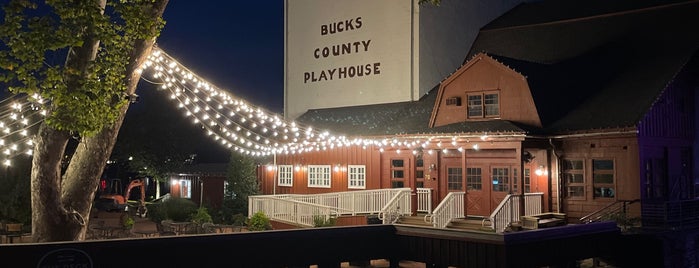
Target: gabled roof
[
  {"x": 594, "y": 64},
  {"x": 590, "y": 64},
  {"x": 410, "y": 117}
]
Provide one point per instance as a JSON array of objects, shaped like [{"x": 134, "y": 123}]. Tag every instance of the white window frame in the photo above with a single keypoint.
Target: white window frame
[
  {"x": 285, "y": 175},
  {"x": 356, "y": 176},
  {"x": 319, "y": 176}
]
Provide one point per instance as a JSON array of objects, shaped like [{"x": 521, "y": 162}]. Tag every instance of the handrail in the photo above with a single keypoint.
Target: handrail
[
  {"x": 398, "y": 205},
  {"x": 607, "y": 210},
  {"x": 508, "y": 210},
  {"x": 353, "y": 202},
  {"x": 295, "y": 207},
  {"x": 451, "y": 207},
  {"x": 292, "y": 211}
]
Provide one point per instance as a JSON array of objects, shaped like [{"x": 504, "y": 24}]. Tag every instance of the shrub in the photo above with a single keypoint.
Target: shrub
[
  {"x": 127, "y": 221},
  {"x": 259, "y": 222},
  {"x": 201, "y": 216},
  {"x": 174, "y": 208},
  {"x": 322, "y": 221},
  {"x": 238, "y": 219}
]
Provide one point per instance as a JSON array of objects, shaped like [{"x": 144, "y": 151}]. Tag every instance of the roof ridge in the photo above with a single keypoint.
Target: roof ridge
[{"x": 606, "y": 15}]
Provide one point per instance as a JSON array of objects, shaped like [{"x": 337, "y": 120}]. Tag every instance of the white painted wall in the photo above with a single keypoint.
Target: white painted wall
[{"x": 403, "y": 49}]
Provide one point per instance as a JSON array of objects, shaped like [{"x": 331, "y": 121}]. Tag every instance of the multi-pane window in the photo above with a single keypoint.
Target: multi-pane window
[
  {"x": 527, "y": 181},
  {"x": 573, "y": 178},
  {"x": 501, "y": 180},
  {"x": 319, "y": 176},
  {"x": 474, "y": 179},
  {"x": 357, "y": 176},
  {"x": 286, "y": 175},
  {"x": 419, "y": 173},
  {"x": 492, "y": 105},
  {"x": 483, "y": 105},
  {"x": 454, "y": 178},
  {"x": 475, "y": 106},
  {"x": 603, "y": 178},
  {"x": 516, "y": 181},
  {"x": 397, "y": 173}
]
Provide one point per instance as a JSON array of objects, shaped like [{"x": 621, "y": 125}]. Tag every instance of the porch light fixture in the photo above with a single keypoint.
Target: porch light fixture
[
  {"x": 541, "y": 171},
  {"x": 297, "y": 168},
  {"x": 337, "y": 167}
]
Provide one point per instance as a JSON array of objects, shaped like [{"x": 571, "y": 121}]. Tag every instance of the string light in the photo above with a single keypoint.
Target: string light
[{"x": 229, "y": 120}]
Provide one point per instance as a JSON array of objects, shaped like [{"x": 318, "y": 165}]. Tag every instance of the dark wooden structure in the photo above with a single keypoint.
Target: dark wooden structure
[
  {"x": 328, "y": 247},
  {"x": 202, "y": 183}
]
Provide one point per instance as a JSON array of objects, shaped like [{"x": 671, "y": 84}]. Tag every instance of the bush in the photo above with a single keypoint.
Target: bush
[
  {"x": 321, "y": 221},
  {"x": 259, "y": 222},
  {"x": 238, "y": 219},
  {"x": 201, "y": 216},
  {"x": 174, "y": 208}
]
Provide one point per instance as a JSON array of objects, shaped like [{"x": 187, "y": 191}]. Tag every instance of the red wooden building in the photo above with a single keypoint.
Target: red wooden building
[
  {"x": 203, "y": 183},
  {"x": 593, "y": 107}
]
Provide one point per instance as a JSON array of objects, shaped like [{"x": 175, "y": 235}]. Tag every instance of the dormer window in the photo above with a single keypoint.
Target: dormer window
[
  {"x": 454, "y": 101},
  {"x": 483, "y": 105}
]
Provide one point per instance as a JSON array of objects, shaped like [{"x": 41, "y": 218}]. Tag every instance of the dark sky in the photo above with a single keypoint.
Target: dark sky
[{"x": 235, "y": 45}]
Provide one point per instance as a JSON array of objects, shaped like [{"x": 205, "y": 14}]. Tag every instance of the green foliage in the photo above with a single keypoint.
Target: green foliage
[
  {"x": 84, "y": 94},
  {"x": 201, "y": 216},
  {"x": 127, "y": 221},
  {"x": 173, "y": 208},
  {"x": 322, "y": 221},
  {"x": 242, "y": 182},
  {"x": 259, "y": 222}
]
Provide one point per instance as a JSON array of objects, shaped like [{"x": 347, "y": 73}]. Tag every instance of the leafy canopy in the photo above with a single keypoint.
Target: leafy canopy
[{"x": 81, "y": 98}]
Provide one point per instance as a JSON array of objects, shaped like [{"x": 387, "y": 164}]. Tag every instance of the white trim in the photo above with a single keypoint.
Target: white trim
[
  {"x": 319, "y": 176},
  {"x": 285, "y": 175},
  {"x": 356, "y": 174}
]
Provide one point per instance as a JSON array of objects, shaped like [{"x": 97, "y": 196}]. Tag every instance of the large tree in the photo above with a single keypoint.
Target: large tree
[{"x": 103, "y": 44}]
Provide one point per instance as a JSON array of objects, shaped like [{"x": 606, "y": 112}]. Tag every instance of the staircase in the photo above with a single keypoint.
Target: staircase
[
  {"x": 470, "y": 224},
  {"x": 465, "y": 224}
]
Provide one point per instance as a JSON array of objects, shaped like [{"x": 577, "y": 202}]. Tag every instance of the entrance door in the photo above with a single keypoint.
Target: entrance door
[{"x": 478, "y": 191}]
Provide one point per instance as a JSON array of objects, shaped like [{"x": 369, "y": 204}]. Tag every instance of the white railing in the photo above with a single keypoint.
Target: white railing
[
  {"x": 297, "y": 208},
  {"x": 354, "y": 202},
  {"x": 398, "y": 206},
  {"x": 290, "y": 211},
  {"x": 424, "y": 200},
  {"x": 451, "y": 207},
  {"x": 508, "y": 210}
]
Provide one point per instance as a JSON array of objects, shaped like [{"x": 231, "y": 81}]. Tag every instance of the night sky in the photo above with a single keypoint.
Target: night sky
[{"x": 235, "y": 45}]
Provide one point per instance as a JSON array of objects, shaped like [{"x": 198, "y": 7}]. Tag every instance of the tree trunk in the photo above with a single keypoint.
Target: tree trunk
[
  {"x": 85, "y": 169},
  {"x": 48, "y": 216},
  {"x": 61, "y": 208}
]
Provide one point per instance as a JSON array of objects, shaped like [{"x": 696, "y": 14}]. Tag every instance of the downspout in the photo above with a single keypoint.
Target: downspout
[
  {"x": 558, "y": 177},
  {"x": 201, "y": 192},
  {"x": 274, "y": 177}
]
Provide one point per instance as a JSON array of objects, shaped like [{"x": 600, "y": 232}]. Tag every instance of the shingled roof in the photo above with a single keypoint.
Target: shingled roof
[
  {"x": 400, "y": 118},
  {"x": 591, "y": 64},
  {"x": 594, "y": 64}
]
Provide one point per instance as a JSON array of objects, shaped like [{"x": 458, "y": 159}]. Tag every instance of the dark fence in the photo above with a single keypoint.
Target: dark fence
[{"x": 329, "y": 247}]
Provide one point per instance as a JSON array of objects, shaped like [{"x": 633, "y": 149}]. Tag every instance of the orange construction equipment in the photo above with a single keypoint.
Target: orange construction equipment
[{"x": 117, "y": 202}]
